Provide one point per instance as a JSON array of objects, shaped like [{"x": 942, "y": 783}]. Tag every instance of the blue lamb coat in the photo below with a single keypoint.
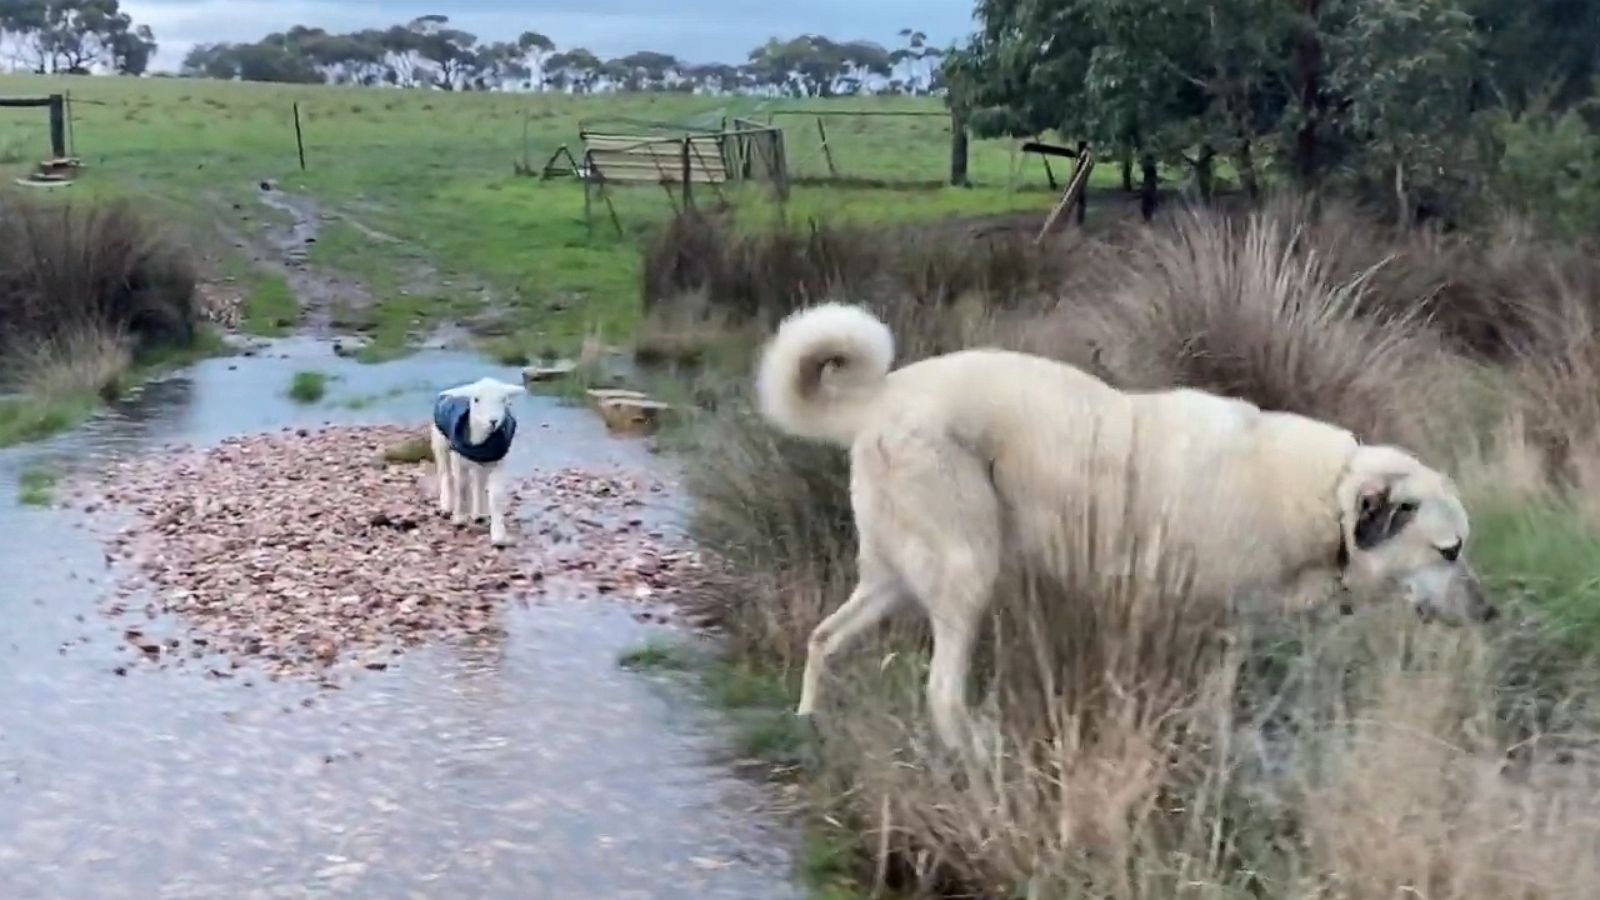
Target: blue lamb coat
[{"x": 450, "y": 416}]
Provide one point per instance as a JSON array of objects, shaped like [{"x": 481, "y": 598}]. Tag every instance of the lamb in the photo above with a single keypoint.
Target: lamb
[{"x": 472, "y": 431}]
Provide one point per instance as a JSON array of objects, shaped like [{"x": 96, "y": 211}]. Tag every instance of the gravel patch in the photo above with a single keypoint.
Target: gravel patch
[{"x": 300, "y": 551}]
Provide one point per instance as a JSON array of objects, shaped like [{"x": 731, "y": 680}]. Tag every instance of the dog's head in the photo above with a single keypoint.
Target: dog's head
[
  {"x": 1404, "y": 526},
  {"x": 489, "y": 401}
]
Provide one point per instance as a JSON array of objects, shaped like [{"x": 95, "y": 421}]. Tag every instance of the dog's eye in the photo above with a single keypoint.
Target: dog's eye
[
  {"x": 1410, "y": 506},
  {"x": 1452, "y": 552}
]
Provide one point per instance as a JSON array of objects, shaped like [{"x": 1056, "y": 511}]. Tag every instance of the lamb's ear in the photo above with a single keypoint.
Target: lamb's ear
[
  {"x": 462, "y": 390},
  {"x": 1378, "y": 516}
]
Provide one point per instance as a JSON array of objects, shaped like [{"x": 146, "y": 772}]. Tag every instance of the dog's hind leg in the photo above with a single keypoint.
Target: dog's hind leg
[
  {"x": 949, "y": 550},
  {"x": 956, "y": 613},
  {"x": 876, "y": 595}
]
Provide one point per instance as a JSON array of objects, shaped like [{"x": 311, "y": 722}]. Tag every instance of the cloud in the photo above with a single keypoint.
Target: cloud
[{"x": 696, "y": 30}]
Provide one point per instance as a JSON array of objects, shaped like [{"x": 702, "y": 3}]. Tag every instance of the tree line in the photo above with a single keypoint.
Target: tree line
[
  {"x": 1420, "y": 103},
  {"x": 428, "y": 52},
  {"x": 74, "y": 37}
]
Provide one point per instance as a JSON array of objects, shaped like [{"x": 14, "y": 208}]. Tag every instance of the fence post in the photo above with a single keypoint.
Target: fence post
[
  {"x": 1083, "y": 193},
  {"x": 688, "y": 192},
  {"x": 827, "y": 152},
  {"x": 958, "y": 150},
  {"x": 58, "y": 126},
  {"x": 299, "y": 139}
]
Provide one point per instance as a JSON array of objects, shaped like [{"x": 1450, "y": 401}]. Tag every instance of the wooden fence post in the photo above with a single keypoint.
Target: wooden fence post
[
  {"x": 1083, "y": 194},
  {"x": 299, "y": 139},
  {"x": 958, "y": 152},
  {"x": 58, "y": 126},
  {"x": 827, "y": 152},
  {"x": 688, "y": 178}
]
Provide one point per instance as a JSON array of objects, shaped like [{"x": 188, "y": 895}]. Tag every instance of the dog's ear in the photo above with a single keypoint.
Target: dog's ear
[{"x": 1379, "y": 517}]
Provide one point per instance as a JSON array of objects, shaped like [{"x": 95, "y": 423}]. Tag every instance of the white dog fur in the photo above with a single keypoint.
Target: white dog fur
[
  {"x": 966, "y": 461},
  {"x": 468, "y": 491}
]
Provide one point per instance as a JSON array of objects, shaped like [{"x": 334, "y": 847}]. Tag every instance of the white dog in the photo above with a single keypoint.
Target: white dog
[
  {"x": 966, "y": 460},
  {"x": 472, "y": 431}
]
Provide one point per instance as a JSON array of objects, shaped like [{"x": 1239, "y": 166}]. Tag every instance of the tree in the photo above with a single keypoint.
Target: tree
[
  {"x": 1541, "y": 53},
  {"x": 1404, "y": 68},
  {"x": 1176, "y": 81},
  {"x": 400, "y": 46},
  {"x": 643, "y": 70},
  {"x": 21, "y": 22},
  {"x": 451, "y": 52},
  {"x": 535, "y": 47},
  {"x": 914, "y": 60},
  {"x": 578, "y": 69},
  {"x": 210, "y": 61},
  {"x": 501, "y": 63},
  {"x": 132, "y": 50}
]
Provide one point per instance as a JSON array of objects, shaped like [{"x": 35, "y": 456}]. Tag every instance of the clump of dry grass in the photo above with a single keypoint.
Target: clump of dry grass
[
  {"x": 760, "y": 276},
  {"x": 1152, "y": 743},
  {"x": 66, "y": 269},
  {"x": 86, "y": 360}
]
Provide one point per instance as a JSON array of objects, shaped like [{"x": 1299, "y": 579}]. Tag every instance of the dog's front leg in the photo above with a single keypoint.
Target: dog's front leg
[{"x": 496, "y": 490}]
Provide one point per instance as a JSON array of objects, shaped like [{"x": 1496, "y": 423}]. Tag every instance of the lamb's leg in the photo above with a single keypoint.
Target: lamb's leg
[
  {"x": 480, "y": 492},
  {"x": 497, "y": 506},
  {"x": 462, "y": 479},
  {"x": 876, "y": 595},
  {"x": 442, "y": 468}
]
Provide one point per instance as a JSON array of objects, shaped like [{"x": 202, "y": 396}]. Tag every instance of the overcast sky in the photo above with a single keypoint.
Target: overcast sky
[{"x": 694, "y": 30}]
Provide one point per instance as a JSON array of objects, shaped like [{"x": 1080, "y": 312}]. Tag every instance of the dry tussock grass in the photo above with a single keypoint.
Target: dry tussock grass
[{"x": 85, "y": 360}]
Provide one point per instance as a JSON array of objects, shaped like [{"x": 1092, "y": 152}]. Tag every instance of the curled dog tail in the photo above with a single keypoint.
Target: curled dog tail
[{"x": 820, "y": 373}]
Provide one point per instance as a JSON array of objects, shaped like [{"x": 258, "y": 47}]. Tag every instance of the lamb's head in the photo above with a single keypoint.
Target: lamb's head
[
  {"x": 1404, "y": 526},
  {"x": 489, "y": 403}
]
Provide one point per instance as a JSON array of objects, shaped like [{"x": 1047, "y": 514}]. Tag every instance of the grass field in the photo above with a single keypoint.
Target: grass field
[{"x": 420, "y": 203}]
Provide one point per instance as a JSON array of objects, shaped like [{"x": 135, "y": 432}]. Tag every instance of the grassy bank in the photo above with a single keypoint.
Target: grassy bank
[
  {"x": 1150, "y": 743},
  {"x": 93, "y": 298}
]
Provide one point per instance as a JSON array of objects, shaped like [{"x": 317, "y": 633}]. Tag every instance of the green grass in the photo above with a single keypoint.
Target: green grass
[
  {"x": 661, "y": 656},
  {"x": 270, "y": 308},
  {"x": 364, "y": 401},
  {"x": 37, "y": 487},
  {"x": 308, "y": 387},
  {"x": 758, "y": 703},
  {"x": 25, "y": 419},
  {"x": 1542, "y": 554}
]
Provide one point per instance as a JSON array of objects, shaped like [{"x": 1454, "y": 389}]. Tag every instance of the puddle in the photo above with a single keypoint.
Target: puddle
[{"x": 528, "y": 766}]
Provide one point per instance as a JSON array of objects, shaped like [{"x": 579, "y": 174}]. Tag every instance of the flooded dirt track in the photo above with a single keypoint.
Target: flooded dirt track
[{"x": 523, "y": 765}]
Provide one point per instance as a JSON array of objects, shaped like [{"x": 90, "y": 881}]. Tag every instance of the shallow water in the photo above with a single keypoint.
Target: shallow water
[{"x": 526, "y": 767}]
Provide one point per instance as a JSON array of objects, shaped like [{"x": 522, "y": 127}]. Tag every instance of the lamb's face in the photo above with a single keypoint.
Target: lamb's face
[
  {"x": 490, "y": 402},
  {"x": 1405, "y": 526}
]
